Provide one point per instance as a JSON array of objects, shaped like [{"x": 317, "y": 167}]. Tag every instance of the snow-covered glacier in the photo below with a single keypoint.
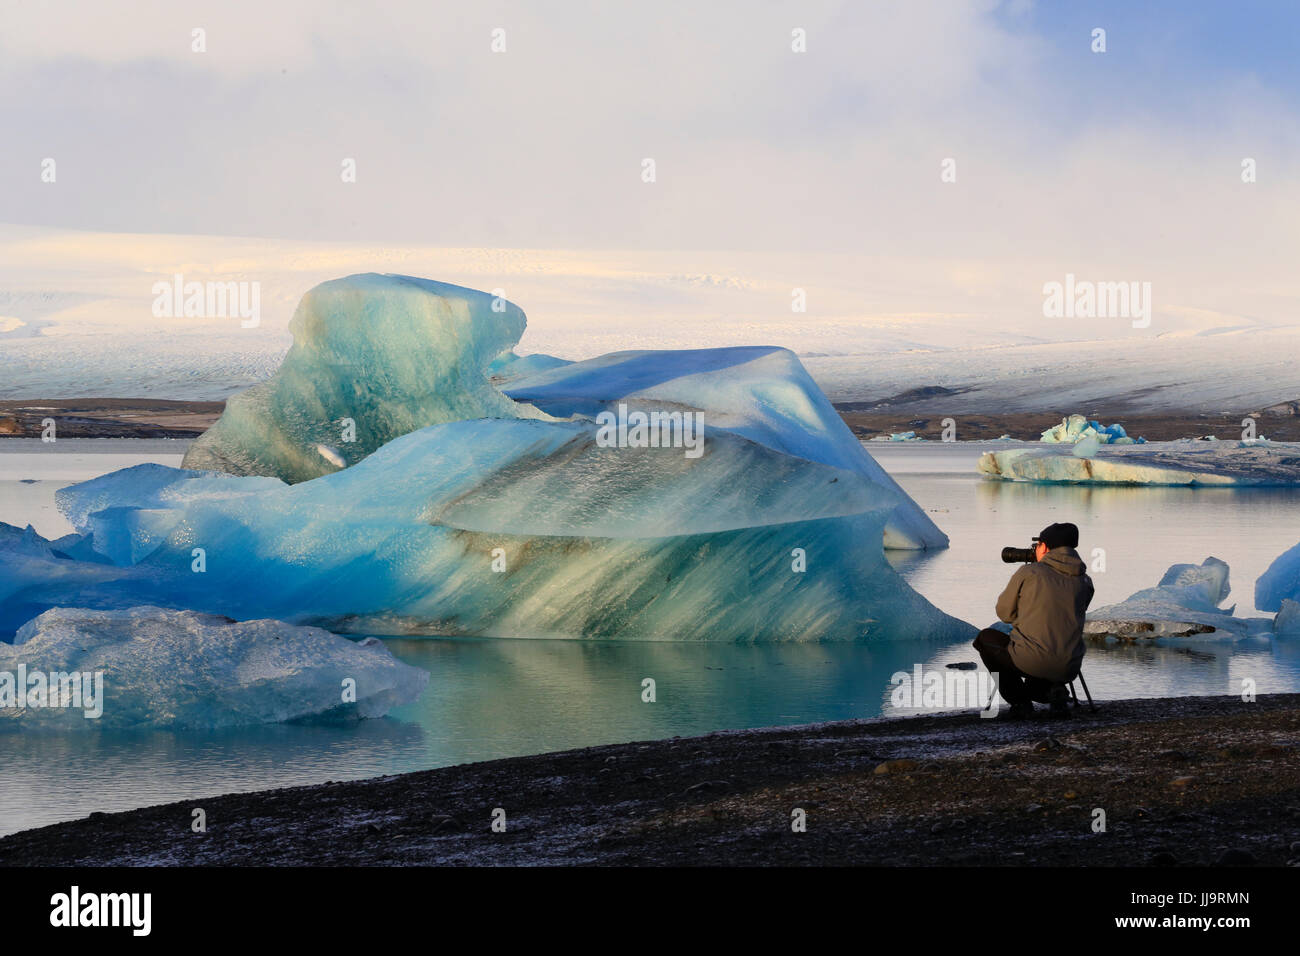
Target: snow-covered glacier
[
  {"x": 1186, "y": 462},
  {"x": 147, "y": 667},
  {"x": 527, "y": 514}
]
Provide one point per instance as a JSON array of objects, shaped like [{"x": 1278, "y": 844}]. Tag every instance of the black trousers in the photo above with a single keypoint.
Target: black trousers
[{"x": 1015, "y": 686}]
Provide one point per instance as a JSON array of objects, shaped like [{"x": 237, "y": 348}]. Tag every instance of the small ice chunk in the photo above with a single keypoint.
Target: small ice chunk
[
  {"x": 1287, "y": 621},
  {"x": 1086, "y": 447},
  {"x": 331, "y": 455}
]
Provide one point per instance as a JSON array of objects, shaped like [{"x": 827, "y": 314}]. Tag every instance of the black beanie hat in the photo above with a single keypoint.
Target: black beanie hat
[{"x": 1064, "y": 535}]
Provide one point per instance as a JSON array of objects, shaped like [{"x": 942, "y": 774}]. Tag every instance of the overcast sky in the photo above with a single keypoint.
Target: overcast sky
[{"x": 1133, "y": 154}]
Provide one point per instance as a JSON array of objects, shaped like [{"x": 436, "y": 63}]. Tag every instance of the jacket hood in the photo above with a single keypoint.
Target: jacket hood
[{"x": 1065, "y": 560}]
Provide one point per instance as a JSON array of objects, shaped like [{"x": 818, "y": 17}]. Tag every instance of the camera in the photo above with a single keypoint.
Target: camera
[{"x": 1020, "y": 555}]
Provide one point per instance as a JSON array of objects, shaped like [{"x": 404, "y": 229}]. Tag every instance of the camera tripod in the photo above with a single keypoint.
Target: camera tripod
[
  {"x": 1069, "y": 685},
  {"x": 1074, "y": 698}
]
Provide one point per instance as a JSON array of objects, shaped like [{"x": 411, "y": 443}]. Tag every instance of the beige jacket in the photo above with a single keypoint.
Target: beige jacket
[{"x": 1046, "y": 602}]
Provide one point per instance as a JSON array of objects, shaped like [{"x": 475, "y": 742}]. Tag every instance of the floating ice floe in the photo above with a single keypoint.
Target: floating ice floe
[
  {"x": 146, "y": 667},
  {"x": 1184, "y": 604},
  {"x": 1185, "y": 462},
  {"x": 1074, "y": 428},
  {"x": 736, "y": 507}
]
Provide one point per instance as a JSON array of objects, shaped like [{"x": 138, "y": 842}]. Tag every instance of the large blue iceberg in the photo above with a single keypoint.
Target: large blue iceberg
[
  {"x": 746, "y": 510},
  {"x": 376, "y": 357}
]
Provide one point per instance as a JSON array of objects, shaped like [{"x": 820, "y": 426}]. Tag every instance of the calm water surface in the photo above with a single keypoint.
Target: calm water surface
[{"x": 497, "y": 698}]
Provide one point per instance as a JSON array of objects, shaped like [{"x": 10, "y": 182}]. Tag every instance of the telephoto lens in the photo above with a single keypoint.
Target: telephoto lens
[{"x": 1018, "y": 555}]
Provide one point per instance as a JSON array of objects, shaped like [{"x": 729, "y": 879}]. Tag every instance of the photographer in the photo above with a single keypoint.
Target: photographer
[{"x": 1045, "y": 602}]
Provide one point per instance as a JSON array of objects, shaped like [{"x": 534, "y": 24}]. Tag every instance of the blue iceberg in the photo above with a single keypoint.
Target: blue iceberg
[
  {"x": 1076, "y": 428},
  {"x": 701, "y": 495},
  {"x": 1280, "y": 582},
  {"x": 761, "y": 393},
  {"x": 374, "y": 357}
]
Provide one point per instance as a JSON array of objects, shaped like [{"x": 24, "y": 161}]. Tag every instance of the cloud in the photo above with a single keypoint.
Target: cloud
[{"x": 755, "y": 146}]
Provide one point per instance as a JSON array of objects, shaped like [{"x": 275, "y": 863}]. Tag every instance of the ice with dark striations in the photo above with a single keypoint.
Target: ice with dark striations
[{"x": 731, "y": 503}]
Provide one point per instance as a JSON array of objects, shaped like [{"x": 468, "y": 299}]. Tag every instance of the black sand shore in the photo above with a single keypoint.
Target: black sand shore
[
  {"x": 157, "y": 418},
  {"x": 1028, "y": 426},
  {"x": 1182, "y": 782},
  {"x": 108, "y": 417}
]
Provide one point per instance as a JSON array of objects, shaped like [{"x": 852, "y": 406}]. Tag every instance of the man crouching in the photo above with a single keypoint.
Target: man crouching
[{"x": 1045, "y": 602}]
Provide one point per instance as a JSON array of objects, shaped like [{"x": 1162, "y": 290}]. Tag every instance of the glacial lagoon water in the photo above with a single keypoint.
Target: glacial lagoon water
[{"x": 499, "y": 698}]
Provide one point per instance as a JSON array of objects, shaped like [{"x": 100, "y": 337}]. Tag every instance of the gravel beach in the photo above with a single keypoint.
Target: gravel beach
[{"x": 1178, "y": 782}]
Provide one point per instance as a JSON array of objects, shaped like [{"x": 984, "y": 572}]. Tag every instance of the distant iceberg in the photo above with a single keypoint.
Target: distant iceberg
[
  {"x": 518, "y": 517},
  {"x": 181, "y": 670},
  {"x": 1076, "y": 428},
  {"x": 1186, "y": 462}
]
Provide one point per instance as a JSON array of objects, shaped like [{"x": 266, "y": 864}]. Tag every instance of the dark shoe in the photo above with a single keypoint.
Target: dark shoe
[
  {"x": 1024, "y": 711},
  {"x": 1059, "y": 701}
]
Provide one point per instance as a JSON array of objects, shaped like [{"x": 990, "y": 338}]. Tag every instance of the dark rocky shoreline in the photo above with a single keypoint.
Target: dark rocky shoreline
[
  {"x": 1028, "y": 426},
  {"x": 158, "y": 418},
  {"x": 1182, "y": 781},
  {"x": 108, "y": 417}
]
